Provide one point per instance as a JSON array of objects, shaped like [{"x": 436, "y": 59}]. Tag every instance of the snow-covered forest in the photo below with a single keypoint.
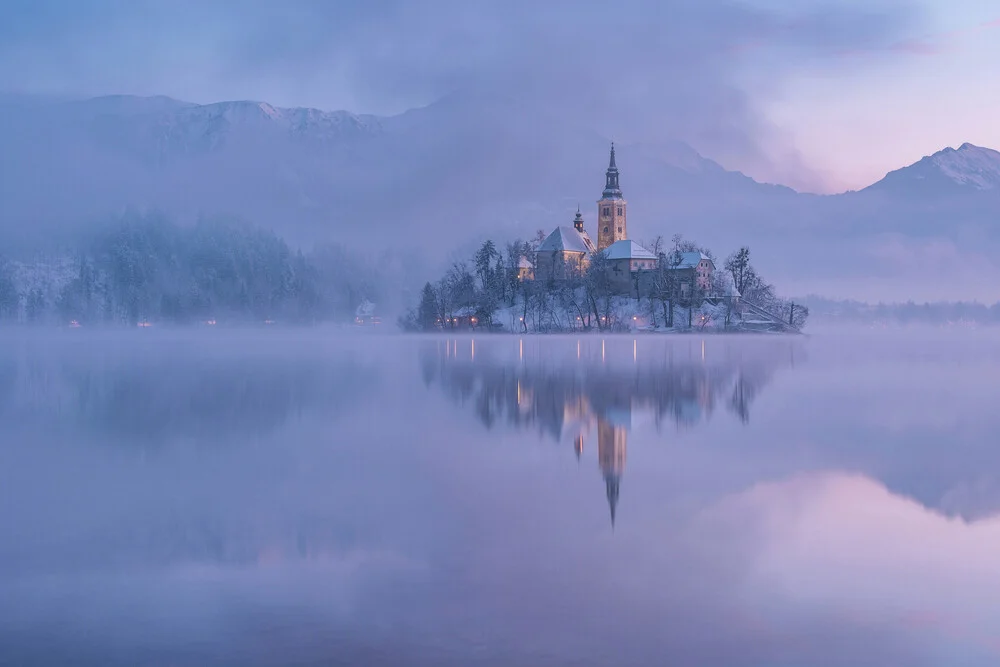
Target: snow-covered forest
[{"x": 145, "y": 268}]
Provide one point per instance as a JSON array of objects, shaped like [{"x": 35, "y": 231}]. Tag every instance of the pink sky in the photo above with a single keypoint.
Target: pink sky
[{"x": 878, "y": 113}]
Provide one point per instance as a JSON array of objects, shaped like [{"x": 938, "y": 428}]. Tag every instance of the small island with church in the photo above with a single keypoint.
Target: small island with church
[{"x": 564, "y": 282}]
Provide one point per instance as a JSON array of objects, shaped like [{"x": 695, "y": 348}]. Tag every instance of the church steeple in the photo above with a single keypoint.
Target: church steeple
[
  {"x": 612, "y": 443},
  {"x": 611, "y": 209},
  {"x": 611, "y": 483},
  {"x": 578, "y": 221},
  {"x": 611, "y": 188}
]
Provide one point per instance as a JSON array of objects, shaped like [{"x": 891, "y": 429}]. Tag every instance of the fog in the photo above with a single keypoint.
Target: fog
[
  {"x": 273, "y": 497},
  {"x": 405, "y": 136}
]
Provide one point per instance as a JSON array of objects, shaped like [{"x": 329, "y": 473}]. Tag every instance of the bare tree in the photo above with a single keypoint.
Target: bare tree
[
  {"x": 739, "y": 268},
  {"x": 598, "y": 289}
]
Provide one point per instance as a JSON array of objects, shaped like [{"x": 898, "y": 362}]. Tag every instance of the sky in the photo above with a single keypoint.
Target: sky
[{"x": 822, "y": 96}]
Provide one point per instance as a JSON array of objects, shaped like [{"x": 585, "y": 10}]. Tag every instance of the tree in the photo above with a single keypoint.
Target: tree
[
  {"x": 722, "y": 287},
  {"x": 427, "y": 312},
  {"x": 485, "y": 256},
  {"x": 598, "y": 289},
  {"x": 739, "y": 268},
  {"x": 8, "y": 291},
  {"x": 667, "y": 284}
]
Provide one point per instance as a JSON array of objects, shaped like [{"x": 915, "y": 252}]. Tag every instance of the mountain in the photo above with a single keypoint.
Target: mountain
[
  {"x": 434, "y": 181},
  {"x": 948, "y": 171}
]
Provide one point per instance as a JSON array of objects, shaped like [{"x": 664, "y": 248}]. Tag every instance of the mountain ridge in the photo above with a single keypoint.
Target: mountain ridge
[
  {"x": 435, "y": 179},
  {"x": 967, "y": 167}
]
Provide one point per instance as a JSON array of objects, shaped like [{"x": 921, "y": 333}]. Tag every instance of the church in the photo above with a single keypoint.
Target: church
[{"x": 567, "y": 250}]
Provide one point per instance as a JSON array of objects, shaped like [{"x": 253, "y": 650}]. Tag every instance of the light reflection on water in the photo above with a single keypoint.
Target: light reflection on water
[{"x": 314, "y": 498}]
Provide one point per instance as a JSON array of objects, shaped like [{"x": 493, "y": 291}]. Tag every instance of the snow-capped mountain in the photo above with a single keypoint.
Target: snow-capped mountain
[
  {"x": 967, "y": 167},
  {"x": 438, "y": 179}
]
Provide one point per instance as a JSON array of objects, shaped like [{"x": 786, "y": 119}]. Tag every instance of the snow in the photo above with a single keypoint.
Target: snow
[
  {"x": 970, "y": 165},
  {"x": 627, "y": 249},
  {"x": 689, "y": 260},
  {"x": 564, "y": 239}
]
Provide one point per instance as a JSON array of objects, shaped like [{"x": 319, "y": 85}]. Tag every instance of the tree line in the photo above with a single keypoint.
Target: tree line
[{"x": 147, "y": 268}]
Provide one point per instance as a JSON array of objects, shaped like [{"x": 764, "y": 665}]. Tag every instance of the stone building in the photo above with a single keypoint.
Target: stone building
[{"x": 631, "y": 266}]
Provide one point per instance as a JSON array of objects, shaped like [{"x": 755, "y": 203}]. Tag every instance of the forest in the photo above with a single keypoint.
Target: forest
[{"x": 145, "y": 268}]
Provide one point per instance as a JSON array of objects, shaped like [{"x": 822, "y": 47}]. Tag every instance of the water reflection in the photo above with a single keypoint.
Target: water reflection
[
  {"x": 574, "y": 390},
  {"x": 164, "y": 388}
]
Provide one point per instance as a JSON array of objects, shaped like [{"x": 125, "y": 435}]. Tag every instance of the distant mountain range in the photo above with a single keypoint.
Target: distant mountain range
[
  {"x": 947, "y": 171},
  {"x": 438, "y": 179}
]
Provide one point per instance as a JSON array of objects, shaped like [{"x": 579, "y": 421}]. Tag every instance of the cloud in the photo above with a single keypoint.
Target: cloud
[{"x": 634, "y": 69}]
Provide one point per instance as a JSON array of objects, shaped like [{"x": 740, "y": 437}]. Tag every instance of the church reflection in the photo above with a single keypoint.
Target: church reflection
[{"x": 578, "y": 391}]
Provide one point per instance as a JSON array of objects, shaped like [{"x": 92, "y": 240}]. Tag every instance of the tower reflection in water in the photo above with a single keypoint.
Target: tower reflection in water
[{"x": 572, "y": 389}]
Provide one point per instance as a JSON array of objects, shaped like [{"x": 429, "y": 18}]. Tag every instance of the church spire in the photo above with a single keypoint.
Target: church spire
[
  {"x": 611, "y": 483},
  {"x": 578, "y": 220},
  {"x": 611, "y": 188}
]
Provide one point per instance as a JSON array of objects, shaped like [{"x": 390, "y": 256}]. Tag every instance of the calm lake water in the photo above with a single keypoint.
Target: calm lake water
[{"x": 315, "y": 498}]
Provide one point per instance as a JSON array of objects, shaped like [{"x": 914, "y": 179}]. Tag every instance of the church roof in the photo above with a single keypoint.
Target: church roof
[
  {"x": 627, "y": 249},
  {"x": 525, "y": 263},
  {"x": 611, "y": 188},
  {"x": 566, "y": 239}
]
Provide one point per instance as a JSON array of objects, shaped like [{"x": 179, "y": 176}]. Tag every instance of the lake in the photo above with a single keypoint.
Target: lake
[{"x": 276, "y": 497}]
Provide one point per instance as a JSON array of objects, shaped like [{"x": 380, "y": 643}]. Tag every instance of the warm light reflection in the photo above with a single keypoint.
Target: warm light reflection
[
  {"x": 635, "y": 352},
  {"x": 577, "y": 349},
  {"x": 602, "y": 350},
  {"x": 473, "y": 349},
  {"x": 521, "y": 353},
  {"x": 703, "y": 350}
]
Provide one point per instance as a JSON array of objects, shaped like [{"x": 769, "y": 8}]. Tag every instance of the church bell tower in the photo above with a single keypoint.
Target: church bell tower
[{"x": 611, "y": 209}]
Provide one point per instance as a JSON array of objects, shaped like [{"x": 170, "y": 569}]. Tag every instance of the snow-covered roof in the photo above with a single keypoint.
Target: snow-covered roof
[
  {"x": 627, "y": 249},
  {"x": 525, "y": 263},
  {"x": 565, "y": 239},
  {"x": 689, "y": 260}
]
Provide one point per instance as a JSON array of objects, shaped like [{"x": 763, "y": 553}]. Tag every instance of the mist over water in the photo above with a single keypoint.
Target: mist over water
[{"x": 282, "y": 497}]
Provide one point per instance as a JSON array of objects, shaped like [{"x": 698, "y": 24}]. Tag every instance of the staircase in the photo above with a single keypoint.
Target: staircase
[{"x": 777, "y": 323}]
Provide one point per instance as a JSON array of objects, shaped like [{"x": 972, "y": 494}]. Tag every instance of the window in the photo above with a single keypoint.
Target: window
[
  {"x": 607, "y": 210},
  {"x": 605, "y": 230},
  {"x": 619, "y": 230},
  {"x": 619, "y": 210}
]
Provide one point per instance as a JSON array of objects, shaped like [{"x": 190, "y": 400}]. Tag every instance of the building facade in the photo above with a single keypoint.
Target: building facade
[
  {"x": 612, "y": 209},
  {"x": 696, "y": 270},
  {"x": 630, "y": 267}
]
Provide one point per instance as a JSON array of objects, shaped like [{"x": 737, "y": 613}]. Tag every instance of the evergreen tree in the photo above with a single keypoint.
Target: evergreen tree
[{"x": 427, "y": 312}]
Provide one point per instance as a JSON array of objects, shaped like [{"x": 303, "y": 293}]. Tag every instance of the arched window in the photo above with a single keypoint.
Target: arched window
[{"x": 605, "y": 230}]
